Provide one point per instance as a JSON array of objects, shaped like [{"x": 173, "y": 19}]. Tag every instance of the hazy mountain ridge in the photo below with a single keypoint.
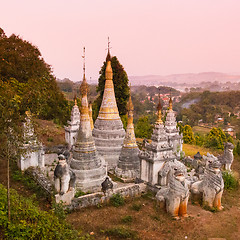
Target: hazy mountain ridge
[{"x": 193, "y": 78}]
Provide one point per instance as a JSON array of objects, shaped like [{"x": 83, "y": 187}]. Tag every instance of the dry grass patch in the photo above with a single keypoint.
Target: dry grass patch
[{"x": 191, "y": 150}]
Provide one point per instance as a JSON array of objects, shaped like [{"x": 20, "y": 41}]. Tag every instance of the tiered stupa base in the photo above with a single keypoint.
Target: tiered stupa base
[
  {"x": 129, "y": 164},
  {"x": 109, "y": 136}
]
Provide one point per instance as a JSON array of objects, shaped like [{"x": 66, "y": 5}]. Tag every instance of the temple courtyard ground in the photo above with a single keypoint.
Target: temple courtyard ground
[{"x": 141, "y": 218}]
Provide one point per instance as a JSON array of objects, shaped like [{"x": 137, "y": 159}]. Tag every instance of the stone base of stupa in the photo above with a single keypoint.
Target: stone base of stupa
[
  {"x": 128, "y": 166},
  {"x": 109, "y": 136},
  {"x": 90, "y": 180}
]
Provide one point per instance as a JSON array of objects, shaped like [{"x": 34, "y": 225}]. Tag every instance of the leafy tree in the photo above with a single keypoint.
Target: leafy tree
[
  {"x": 143, "y": 128},
  {"x": 199, "y": 139},
  {"x": 188, "y": 136},
  {"x": 22, "y": 66},
  {"x": 216, "y": 138},
  {"x": 120, "y": 81},
  {"x": 11, "y": 135}
]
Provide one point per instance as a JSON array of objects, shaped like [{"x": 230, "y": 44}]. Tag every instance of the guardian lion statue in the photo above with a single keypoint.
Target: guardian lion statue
[
  {"x": 227, "y": 158},
  {"x": 176, "y": 195},
  {"x": 64, "y": 178},
  {"x": 212, "y": 185}
]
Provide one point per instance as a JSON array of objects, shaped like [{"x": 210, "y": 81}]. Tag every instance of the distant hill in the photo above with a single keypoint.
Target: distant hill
[{"x": 179, "y": 79}]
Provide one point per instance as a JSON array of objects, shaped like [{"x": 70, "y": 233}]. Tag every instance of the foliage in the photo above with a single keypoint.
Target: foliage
[
  {"x": 188, "y": 136},
  {"x": 30, "y": 79},
  {"x": 28, "y": 222},
  {"x": 199, "y": 139},
  {"x": 136, "y": 207},
  {"x": 127, "y": 219},
  {"x": 210, "y": 105},
  {"x": 59, "y": 211},
  {"x": 120, "y": 81},
  {"x": 143, "y": 128},
  {"x": 124, "y": 119},
  {"x": 122, "y": 233},
  {"x": 236, "y": 150},
  {"x": 230, "y": 182},
  {"x": 79, "y": 193},
  {"x": 216, "y": 138},
  {"x": 28, "y": 182},
  {"x": 117, "y": 200}
]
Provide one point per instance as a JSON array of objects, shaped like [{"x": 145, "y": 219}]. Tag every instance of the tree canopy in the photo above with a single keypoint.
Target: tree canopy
[{"x": 23, "y": 67}]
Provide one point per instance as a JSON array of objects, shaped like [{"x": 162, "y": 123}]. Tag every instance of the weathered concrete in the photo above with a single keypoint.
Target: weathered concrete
[{"x": 94, "y": 199}]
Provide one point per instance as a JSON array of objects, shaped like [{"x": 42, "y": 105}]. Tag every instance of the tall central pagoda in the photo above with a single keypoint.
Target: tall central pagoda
[
  {"x": 89, "y": 167},
  {"x": 108, "y": 129}
]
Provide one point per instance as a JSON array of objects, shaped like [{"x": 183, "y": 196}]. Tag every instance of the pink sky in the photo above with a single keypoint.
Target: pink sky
[{"x": 148, "y": 36}]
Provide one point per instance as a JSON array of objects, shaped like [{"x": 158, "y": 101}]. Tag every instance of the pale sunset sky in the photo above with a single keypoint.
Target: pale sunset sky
[{"x": 157, "y": 37}]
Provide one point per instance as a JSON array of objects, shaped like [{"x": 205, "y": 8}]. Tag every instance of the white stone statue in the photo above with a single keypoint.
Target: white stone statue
[
  {"x": 176, "y": 195},
  {"x": 64, "y": 178},
  {"x": 212, "y": 185},
  {"x": 227, "y": 158}
]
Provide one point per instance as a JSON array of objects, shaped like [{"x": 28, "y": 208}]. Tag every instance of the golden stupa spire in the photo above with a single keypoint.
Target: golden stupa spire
[
  {"x": 84, "y": 90},
  {"x": 170, "y": 100},
  {"x": 130, "y": 140},
  {"x": 159, "y": 110},
  {"x": 108, "y": 109},
  {"x": 130, "y": 108},
  {"x": 90, "y": 115},
  {"x": 75, "y": 99}
]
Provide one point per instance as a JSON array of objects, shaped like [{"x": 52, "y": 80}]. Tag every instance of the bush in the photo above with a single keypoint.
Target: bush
[
  {"x": 117, "y": 200},
  {"x": 122, "y": 233},
  {"x": 29, "y": 222},
  {"x": 127, "y": 219},
  {"x": 79, "y": 193},
  {"x": 230, "y": 182},
  {"x": 136, "y": 207}
]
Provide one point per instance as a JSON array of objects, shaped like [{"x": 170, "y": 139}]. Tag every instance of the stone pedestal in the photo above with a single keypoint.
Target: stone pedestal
[{"x": 66, "y": 198}]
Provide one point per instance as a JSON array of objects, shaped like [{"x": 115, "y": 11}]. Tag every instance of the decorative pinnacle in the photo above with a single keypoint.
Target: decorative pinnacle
[
  {"x": 130, "y": 104},
  {"x": 84, "y": 85},
  {"x": 170, "y": 100},
  {"x": 159, "y": 108},
  {"x": 108, "y": 58},
  {"x": 75, "y": 99},
  {"x": 84, "y": 62}
]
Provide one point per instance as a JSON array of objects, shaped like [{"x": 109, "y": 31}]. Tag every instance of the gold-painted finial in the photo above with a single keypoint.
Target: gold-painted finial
[
  {"x": 84, "y": 85},
  {"x": 75, "y": 99},
  {"x": 170, "y": 100},
  {"x": 130, "y": 106},
  {"x": 28, "y": 113},
  {"x": 159, "y": 109}
]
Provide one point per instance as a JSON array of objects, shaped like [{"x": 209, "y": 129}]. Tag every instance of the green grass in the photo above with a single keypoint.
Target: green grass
[
  {"x": 117, "y": 200},
  {"x": 136, "y": 207},
  {"x": 230, "y": 182},
  {"x": 127, "y": 219},
  {"x": 121, "y": 233},
  {"x": 201, "y": 130}
]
